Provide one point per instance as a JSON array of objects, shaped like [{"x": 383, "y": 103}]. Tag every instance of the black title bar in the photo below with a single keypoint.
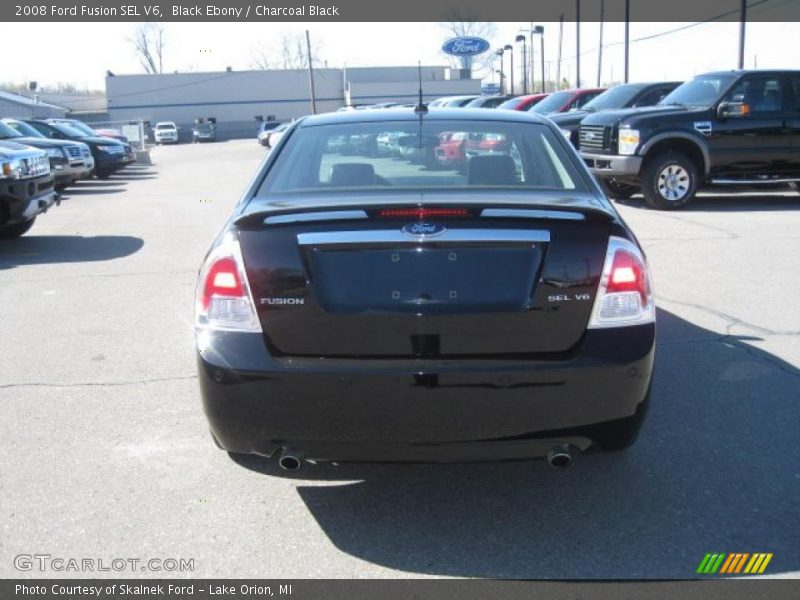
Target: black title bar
[
  {"x": 391, "y": 10},
  {"x": 339, "y": 589}
]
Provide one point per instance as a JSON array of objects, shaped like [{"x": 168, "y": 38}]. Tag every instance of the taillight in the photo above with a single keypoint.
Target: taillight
[
  {"x": 223, "y": 298},
  {"x": 624, "y": 296}
]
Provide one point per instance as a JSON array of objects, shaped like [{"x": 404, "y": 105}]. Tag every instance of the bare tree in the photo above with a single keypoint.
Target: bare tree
[
  {"x": 148, "y": 42},
  {"x": 291, "y": 53},
  {"x": 459, "y": 23},
  {"x": 262, "y": 59}
]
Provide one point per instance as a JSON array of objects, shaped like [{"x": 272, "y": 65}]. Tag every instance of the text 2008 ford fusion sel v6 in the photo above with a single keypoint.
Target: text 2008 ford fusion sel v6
[{"x": 369, "y": 301}]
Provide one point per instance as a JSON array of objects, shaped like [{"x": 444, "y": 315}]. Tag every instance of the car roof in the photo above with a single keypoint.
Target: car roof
[
  {"x": 409, "y": 114},
  {"x": 750, "y": 71}
]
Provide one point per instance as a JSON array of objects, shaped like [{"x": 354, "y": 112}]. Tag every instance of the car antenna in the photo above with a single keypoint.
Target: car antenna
[{"x": 420, "y": 108}]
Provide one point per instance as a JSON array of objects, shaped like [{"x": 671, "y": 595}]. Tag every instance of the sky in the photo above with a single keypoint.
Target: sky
[{"x": 81, "y": 53}]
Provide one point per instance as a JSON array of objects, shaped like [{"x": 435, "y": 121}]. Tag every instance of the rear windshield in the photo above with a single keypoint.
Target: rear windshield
[
  {"x": 435, "y": 154},
  {"x": 165, "y": 126}
]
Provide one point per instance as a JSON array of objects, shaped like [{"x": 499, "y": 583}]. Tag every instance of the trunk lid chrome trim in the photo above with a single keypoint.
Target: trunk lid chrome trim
[
  {"x": 521, "y": 213},
  {"x": 397, "y": 236},
  {"x": 333, "y": 215}
]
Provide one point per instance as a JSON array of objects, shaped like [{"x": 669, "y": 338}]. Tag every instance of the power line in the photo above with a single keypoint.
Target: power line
[{"x": 681, "y": 28}]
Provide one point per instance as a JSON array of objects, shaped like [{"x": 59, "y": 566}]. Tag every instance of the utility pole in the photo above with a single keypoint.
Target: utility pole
[
  {"x": 600, "y": 48},
  {"x": 558, "y": 62},
  {"x": 742, "y": 21},
  {"x": 627, "y": 35},
  {"x": 577, "y": 43},
  {"x": 311, "y": 75}
]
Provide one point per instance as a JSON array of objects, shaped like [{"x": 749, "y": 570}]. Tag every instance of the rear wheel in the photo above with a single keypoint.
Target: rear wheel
[
  {"x": 16, "y": 230},
  {"x": 619, "y": 191},
  {"x": 669, "y": 181}
]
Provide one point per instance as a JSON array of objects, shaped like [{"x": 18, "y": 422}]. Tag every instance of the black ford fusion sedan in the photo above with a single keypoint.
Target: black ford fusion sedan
[{"x": 362, "y": 304}]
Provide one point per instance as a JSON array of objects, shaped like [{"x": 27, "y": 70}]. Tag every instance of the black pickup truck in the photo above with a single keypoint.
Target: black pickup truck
[
  {"x": 626, "y": 95},
  {"x": 723, "y": 128}
]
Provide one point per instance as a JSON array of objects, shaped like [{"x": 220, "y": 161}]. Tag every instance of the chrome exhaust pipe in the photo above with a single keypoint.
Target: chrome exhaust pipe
[
  {"x": 290, "y": 460},
  {"x": 559, "y": 457}
]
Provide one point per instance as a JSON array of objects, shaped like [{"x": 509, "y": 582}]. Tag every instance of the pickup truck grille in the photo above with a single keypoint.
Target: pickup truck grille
[
  {"x": 595, "y": 137},
  {"x": 74, "y": 152}
]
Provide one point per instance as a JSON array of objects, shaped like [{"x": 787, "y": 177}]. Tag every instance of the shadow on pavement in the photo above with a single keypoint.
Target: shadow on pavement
[
  {"x": 113, "y": 188},
  {"x": 716, "y": 469},
  {"x": 710, "y": 201},
  {"x": 50, "y": 249}
]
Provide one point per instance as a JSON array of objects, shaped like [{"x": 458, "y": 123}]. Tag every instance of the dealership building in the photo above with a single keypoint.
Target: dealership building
[{"x": 239, "y": 99}]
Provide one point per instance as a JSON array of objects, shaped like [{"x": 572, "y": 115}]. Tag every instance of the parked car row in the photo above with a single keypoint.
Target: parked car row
[
  {"x": 39, "y": 158},
  {"x": 665, "y": 139}
]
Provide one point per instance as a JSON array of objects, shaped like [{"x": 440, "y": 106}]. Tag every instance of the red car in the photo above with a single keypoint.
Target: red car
[
  {"x": 565, "y": 100},
  {"x": 523, "y": 102},
  {"x": 456, "y": 148}
]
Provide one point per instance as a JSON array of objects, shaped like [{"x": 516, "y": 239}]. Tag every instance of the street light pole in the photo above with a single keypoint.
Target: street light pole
[
  {"x": 742, "y": 21},
  {"x": 521, "y": 38},
  {"x": 627, "y": 35},
  {"x": 577, "y": 43},
  {"x": 540, "y": 30},
  {"x": 499, "y": 52},
  {"x": 558, "y": 63},
  {"x": 600, "y": 47},
  {"x": 510, "y": 49}
]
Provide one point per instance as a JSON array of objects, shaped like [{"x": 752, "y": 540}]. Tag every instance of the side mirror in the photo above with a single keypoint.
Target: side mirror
[{"x": 733, "y": 109}]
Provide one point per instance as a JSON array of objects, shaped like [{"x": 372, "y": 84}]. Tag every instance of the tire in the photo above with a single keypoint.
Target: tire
[
  {"x": 8, "y": 232},
  {"x": 669, "y": 181},
  {"x": 619, "y": 191},
  {"x": 620, "y": 434}
]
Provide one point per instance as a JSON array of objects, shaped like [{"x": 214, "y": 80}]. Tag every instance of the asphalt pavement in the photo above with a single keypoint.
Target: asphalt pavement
[{"x": 105, "y": 454}]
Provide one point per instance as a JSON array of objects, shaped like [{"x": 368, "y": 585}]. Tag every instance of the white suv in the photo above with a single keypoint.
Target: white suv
[{"x": 166, "y": 132}]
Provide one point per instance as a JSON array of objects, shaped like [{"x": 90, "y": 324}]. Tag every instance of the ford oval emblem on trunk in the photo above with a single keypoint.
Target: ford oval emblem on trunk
[{"x": 422, "y": 228}]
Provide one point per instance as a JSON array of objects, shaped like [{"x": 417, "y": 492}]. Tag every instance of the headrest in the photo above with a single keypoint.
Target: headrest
[
  {"x": 492, "y": 170},
  {"x": 352, "y": 174}
]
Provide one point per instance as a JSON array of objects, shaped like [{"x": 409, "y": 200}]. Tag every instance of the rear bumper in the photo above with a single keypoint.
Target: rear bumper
[
  {"x": 611, "y": 165},
  {"x": 419, "y": 409}
]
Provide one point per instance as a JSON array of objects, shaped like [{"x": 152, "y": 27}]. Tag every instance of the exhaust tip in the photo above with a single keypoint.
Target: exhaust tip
[
  {"x": 559, "y": 457},
  {"x": 290, "y": 460}
]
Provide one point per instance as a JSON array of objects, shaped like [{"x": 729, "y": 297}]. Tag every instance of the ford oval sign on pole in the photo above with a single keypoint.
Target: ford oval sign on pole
[{"x": 465, "y": 46}]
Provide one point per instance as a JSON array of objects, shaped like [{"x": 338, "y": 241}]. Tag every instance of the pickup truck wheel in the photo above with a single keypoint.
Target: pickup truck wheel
[
  {"x": 14, "y": 231},
  {"x": 669, "y": 181},
  {"x": 619, "y": 191}
]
